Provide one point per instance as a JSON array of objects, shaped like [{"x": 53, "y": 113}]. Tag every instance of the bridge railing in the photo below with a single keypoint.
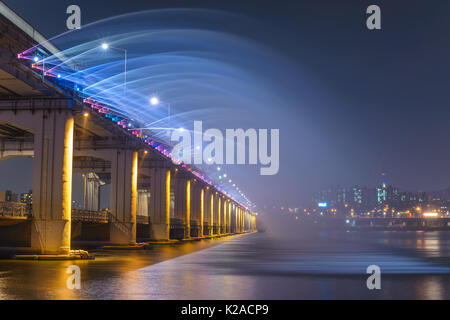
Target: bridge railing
[
  {"x": 142, "y": 219},
  {"x": 91, "y": 216},
  {"x": 14, "y": 209}
]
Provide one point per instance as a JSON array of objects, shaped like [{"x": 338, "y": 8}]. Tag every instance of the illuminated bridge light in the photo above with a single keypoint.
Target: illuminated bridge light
[{"x": 430, "y": 214}]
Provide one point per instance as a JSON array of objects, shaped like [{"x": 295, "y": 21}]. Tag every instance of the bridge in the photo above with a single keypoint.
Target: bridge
[{"x": 151, "y": 198}]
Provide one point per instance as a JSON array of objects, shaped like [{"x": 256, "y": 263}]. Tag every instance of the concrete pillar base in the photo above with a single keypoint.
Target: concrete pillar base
[
  {"x": 160, "y": 231},
  {"x": 121, "y": 233},
  {"x": 49, "y": 236},
  {"x": 187, "y": 232}
]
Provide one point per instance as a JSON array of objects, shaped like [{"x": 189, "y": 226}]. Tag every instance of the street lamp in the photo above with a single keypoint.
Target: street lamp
[
  {"x": 154, "y": 101},
  {"x": 106, "y": 46}
]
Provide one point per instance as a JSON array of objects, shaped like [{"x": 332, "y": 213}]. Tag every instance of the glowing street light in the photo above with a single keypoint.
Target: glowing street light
[
  {"x": 106, "y": 46},
  {"x": 430, "y": 214},
  {"x": 154, "y": 101}
]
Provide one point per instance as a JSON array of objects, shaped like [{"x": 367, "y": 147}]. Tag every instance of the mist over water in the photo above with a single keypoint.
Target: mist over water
[
  {"x": 287, "y": 261},
  {"x": 414, "y": 265}
]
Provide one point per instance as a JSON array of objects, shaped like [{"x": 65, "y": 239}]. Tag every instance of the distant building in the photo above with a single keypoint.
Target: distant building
[
  {"x": 344, "y": 199},
  {"x": 8, "y": 196},
  {"x": 363, "y": 198},
  {"x": 381, "y": 195},
  {"x": 384, "y": 200},
  {"x": 27, "y": 198},
  {"x": 329, "y": 197},
  {"x": 387, "y": 194},
  {"x": 422, "y": 197}
]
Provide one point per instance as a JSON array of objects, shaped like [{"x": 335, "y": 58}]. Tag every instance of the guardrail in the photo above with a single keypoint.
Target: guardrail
[
  {"x": 91, "y": 216},
  {"x": 14, "y": 209},
  {"x": 142, "y": 219}
]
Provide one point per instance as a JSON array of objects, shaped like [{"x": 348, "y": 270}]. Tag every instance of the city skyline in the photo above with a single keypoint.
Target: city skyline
[{"x": 336, "y": 192}]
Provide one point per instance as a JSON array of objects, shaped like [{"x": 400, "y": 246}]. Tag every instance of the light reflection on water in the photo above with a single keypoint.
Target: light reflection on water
[{"x": 414, "y": 265}]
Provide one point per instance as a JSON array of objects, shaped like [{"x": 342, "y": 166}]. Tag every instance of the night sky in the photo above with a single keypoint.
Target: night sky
[{"x": 360, "y": 102}]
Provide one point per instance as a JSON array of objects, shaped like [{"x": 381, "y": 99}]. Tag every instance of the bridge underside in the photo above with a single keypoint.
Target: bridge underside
[{"x": 150, "y": 197}]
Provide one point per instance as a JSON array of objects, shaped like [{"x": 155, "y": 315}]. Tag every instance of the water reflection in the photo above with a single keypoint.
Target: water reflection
[
  {"x": 431, "y": 289},
  {"x": 258, "y": 266}
]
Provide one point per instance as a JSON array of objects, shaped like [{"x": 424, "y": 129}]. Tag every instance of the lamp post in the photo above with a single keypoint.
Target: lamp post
[
  {"x": 154, "y": 101},
  {"x": 106, "y": 46}
]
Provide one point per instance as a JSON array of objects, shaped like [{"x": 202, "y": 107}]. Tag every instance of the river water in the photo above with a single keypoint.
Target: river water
[{"x": 326, "y": 265}]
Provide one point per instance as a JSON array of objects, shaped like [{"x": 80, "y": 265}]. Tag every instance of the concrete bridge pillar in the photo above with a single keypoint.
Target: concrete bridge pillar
[
  {"x": 160, "y": 179},
  {"x": 214, "y": 212},
  {"x": 124, "y": 178},
  {"x": 239, "y": 213},
  {"x": 187, "y": 216},
  {"x": 247, "y": 221},
  {"x": 52, "y": 181},
  {"x": 229, "y": 216},
  {"x": 202, "y": 212},
  {"x": 143, "y": 197},
  {"x": 225, "y": 216},
  {"x": 236, "y": 212},
  {"x": 183, "y": 203},
  {"x": 219, "y": 214},
  {"x": 197, "y": 210},
  {"x": 206, "y": 209},
  {"x": 240, "y": 219},
  {"x": 209, "y": 211},
  {"x": 92, "y": 191},
  {"x": 232, "y": 218}
]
